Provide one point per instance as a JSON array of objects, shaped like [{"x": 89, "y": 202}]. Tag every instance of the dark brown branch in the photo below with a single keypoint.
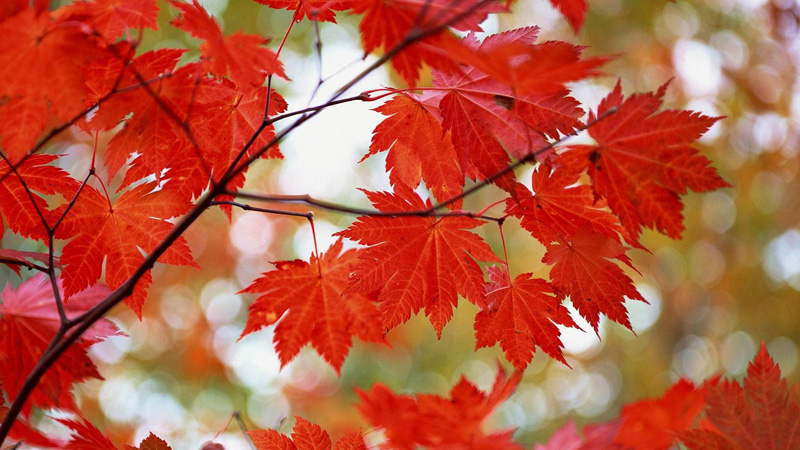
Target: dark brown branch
[
  {"x": 22, "y": 263},
  {"x": 247, "y": 207}
]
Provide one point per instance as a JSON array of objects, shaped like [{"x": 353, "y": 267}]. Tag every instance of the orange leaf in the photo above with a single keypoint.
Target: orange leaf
[
  {"x": 763, "y": 413},
  {"x": 417, "y": 262},
  {"x": 308, "y": 300},
  {"x": 644, "y": 161},
  {"x": 656, "y": 424},
  {"x": 117, "y": 234},
  {"x": 409, "y": 134},
  {"x": 582, "y": 270},
  {"x": 521, "y": 315}
]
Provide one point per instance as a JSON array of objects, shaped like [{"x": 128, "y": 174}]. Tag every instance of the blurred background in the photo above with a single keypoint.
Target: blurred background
[{"x": 732, "y": 282}]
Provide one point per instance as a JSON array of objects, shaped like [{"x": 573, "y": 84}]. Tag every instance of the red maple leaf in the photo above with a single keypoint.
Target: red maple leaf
[
  {"x": 590, "y": 437},
  {"x": 409, "y": 134},
  {"x": 305, "y": 436},
  {"x": 573, "y": 10},
  {"x": 644, "y": 161},
  {"x": 118, "y": 233},
  {"x": 154, "y": 129},
  {"x": 583, "y": 271},
  {"x": 656, "y": 424},
  {"x": 321, "y": 10},
  {"x": 110, "y": 18},
  {"x": 437, "y": 422},
  {"x": 51, "y": 53},
  {"x": 559, "y": 206},
  {"x": 19, "y": 206},
  {"x": 763, "y": 413},
  {"x": 521, "y": 315},
  {"x": 389, "y": 24},
  {"x": 85, "y": 436},
  {"x": 151, "y": 442},
  {"x": 240, "y": 57},
  {"x": 524, "y": 67},
  {"x": 487, "y": 118},
  {"x": 308, "y": 299},
  {"x": 417, "y": 262},
  {"x": 21, "y": 431},
  {"x": 28, "y": 321}
]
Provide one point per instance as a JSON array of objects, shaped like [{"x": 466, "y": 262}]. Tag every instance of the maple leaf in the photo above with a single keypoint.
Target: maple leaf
[
  {"x": 52, "y": 53},
  {"x": 521, "y": 315},
  {"x": 309, "y": 300},
  {"x": 488, "y": 118},
  {"x": 590, "y": 437},
  {"x": 436, "y": 422},
  {"x": 321, "y": 10},
  {"x": 763, "y": 413},
  {"x": 409, "y": 133},
  {"x": 19, "y": 206},
  {"x": 559, "y": 206},
  {"x": 85, "y": 436},
  {"x": 224, "y": 121},
  {"x": 22, "y": 432},
  {"x": 582, "y": 270},
  {"x": 390, "y": 23},
  {"x": 151, "y": 131},
  {"x": 28, "y": 321},
  {"x": 573, "y": 10},
  {"x": 151, "y": 442},
  {"x": 305, "y": 436},
  {"x": 656, "y": 424},
  {"x": 524, "y": 67},
  {"x": 417, "y": 262},
  {"x": 118, "y": 233},
  {"x": 240, "y": 57},
  {"x": 110, "y": 18},
  {"x": 644, "y": 161}
]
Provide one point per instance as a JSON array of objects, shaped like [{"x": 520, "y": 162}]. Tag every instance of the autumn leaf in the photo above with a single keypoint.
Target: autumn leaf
[
  {"x": 573, "y": 10},
  {"x": 117, "y": 234},
  {"x": 409, "y": 133},
  {"x": 590, "y": 437},
  {"x": 305, "y": 436},
  {"x": 242, "y": 58},
  {"x": 559, "y": 205},
  {"x": 321, "y": 10},
  {"x": 521, "y": 315},
  {"x": 656, "y": 424},
  {"x": 28, "y": 320},
  {"x": 21, "y": 431},
  {"x": 19, "y": 205},
  {"x": 110, "y": 18},
  {"x": 151, "y": 442},
  {"x": 308, "y": 301},
  {"x": 488, "y": 119},
  {"x": 389, "y": 23},
  {"x": 437, "y": 422},
  {"x": 644, "y": 160},
  {"x": 52, "y": 53},
  {"x": 85, "y": 436},
  {"x": 152, "y": 119},
  {"x": 583, "y": 271},
  {"x": 761, "y": 413},
  {"x": 417, "y": 262},
  {"x": 516, "y": 62}
]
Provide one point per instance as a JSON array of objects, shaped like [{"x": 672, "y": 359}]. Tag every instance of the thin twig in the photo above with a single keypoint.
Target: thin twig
[{"x": 247, "y": 207}]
